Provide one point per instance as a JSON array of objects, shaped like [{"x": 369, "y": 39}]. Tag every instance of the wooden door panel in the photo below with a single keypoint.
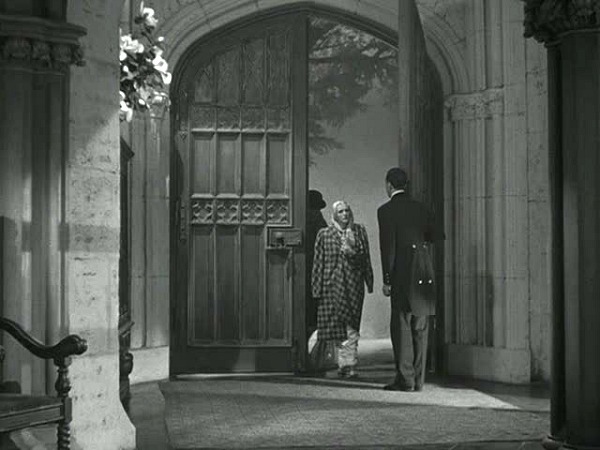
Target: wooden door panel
[
  {"x": 201, "y": 314},
  {"x": 252, "y": 292},
  {"x": 278, "y": 162},
  {"x": 278, "y": 68},
  {"x": 253, "y": 81},
  {"x": 204, "y": 85},
  {"x": 226, "y": 294},
  {"x": 228, "y": 150},
  {"x": 201, "y": 163},
  {"x": 202, "y": 117},
  {"x": 278, "y": 297},
  {"x": 228, "y": 77},
  {"x": 244, "y": 172},
  {"x": 253, "y": 172}
]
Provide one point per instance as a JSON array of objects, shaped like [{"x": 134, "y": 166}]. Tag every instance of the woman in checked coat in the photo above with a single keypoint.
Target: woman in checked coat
[{"x": 341, "y": 269}]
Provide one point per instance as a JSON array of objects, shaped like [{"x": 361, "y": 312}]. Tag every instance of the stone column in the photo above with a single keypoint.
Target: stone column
[
  {"x": 92, "y": 210},
  {"x": 571, "y": 31}
]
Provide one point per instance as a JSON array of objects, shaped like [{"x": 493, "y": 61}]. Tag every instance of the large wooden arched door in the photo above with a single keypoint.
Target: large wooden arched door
[{"x": 239, "y": 140}]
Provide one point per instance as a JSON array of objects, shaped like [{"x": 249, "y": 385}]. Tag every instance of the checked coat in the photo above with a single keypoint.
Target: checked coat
[{"x": 338, "y": 282}]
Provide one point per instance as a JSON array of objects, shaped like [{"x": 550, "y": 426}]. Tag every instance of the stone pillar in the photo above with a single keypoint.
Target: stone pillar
[
  {"x": 92, "y": 210},
  {"x": 571, "y": 31}
]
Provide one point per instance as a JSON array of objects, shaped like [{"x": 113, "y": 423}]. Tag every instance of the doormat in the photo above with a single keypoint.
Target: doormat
[{"x": 287, "y": 412}]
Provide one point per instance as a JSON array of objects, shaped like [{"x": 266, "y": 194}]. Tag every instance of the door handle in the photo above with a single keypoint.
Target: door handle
[{"x": 283, "y": 238}]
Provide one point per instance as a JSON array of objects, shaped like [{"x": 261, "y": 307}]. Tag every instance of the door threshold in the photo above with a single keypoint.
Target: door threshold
[{"x": 207, "y": 376}]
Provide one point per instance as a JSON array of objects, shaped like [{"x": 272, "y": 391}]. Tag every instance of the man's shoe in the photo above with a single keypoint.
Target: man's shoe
[
  {"x": 397, "y": 387},
  {"x": 418, "y": 387}
]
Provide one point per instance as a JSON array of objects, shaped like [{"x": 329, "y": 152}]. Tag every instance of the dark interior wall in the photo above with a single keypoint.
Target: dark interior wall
[{"x": 47, "y": 9}]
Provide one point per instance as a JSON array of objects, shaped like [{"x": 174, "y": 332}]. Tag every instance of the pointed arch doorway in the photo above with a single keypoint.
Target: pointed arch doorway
[{"x": 240, "y": 172}]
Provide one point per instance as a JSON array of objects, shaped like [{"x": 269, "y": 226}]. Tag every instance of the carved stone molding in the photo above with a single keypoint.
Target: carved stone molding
[
  {"x": 40, "y": 42},
  {"x": 476, "y": 105},
  {"x": 547, "y": 20}
]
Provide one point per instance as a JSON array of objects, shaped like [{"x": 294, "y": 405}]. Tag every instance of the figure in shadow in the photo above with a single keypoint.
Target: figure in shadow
[{"x": 314, "y": 222}]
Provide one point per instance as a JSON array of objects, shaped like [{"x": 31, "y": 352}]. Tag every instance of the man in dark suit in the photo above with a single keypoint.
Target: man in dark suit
[{"x": 403, "y": 224}]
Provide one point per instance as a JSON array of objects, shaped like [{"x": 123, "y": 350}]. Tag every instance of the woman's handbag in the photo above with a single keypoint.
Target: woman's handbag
[
  {"x": 422, "y": 280},
  {"x": 322, "y": 355}
]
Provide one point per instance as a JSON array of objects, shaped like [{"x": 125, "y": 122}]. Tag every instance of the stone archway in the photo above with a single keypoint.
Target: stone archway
[
  {"x": 478, "y": 300},
  {"x": 362, "y": 23}
]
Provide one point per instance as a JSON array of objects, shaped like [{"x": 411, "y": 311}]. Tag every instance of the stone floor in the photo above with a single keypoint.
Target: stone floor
[{"x": 283, "y": 411}]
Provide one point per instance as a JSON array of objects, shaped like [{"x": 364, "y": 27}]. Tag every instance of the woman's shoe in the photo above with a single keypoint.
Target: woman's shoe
[{"x": 347, "y": 372}]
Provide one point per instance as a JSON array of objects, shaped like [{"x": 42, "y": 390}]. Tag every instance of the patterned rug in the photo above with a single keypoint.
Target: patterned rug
[{"x": 285, "y": 412}]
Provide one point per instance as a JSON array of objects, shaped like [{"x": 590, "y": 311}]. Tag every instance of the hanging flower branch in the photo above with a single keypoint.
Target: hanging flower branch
[{"x": 145, "y": 74}]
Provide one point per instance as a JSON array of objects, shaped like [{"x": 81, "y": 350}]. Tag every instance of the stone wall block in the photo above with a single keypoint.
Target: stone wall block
[
  {"x": 92, "y": 200},
  {"x": 496, "y": 159},
  {"x": 517, "y": 313},
  {"x": 516, "y": 220},
  {"x": 91, "y": 284},
  {"x": 537, "y": 172},
  {"x": 493, "y": 51},
  {"x": 96, "y": 113},
  {"x": 497, "y": 303},
  {"x": 496, "y": 235},
  {"x": 382, "y": 11},
  {"x": 515, "y": 152}
]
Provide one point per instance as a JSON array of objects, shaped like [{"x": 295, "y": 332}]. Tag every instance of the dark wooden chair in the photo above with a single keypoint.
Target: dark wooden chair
[{"x": 19, "y": 411}]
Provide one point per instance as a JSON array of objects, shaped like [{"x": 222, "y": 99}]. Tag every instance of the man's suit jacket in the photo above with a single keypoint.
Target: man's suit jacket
[{"x": 402, "y": 223}]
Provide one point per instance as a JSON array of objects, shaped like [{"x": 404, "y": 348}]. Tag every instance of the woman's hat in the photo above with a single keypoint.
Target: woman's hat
[{"x": 315, "y": 200}]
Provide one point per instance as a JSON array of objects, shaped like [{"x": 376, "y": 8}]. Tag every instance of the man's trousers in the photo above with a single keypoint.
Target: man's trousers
[{"x": 409, "y": 341}]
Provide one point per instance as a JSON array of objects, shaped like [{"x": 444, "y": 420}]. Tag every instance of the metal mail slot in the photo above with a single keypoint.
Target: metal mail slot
[{"x": 284, "y": 237}]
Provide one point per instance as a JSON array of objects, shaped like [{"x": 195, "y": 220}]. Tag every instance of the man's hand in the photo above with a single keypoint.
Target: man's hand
[{"x": 387, "y": 290}]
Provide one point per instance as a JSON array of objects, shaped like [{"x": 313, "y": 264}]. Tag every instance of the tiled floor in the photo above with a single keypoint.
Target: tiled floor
[{"x": 283, "y": 411}]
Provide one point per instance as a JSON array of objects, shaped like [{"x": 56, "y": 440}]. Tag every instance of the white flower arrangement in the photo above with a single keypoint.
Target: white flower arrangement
[{"x": 145, "y": 75}]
